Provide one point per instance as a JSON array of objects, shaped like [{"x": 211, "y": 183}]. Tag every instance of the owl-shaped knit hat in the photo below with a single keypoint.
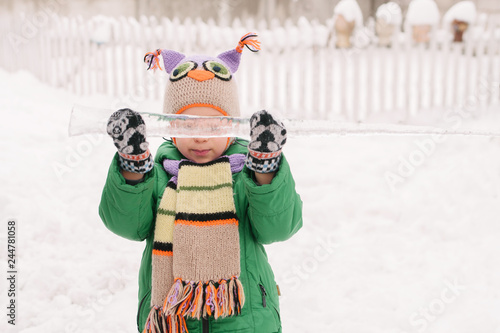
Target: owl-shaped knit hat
[{"x": 200, "y": 80}]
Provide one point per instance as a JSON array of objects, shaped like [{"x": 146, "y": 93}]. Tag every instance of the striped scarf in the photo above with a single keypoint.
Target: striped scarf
[{"x": 198, "y": 216}]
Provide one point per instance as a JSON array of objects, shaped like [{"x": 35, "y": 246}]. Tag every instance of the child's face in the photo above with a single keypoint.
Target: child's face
[{"x": 202, "y": 150}]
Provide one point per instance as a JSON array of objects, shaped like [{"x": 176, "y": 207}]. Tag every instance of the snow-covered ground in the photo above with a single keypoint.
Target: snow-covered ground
[{"x": 401, "y": 234}]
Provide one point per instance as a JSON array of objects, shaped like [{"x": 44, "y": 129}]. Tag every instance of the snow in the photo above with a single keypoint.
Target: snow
[
  {"x": 462, "y": 11},
  {"x": 390, "y": 12},
  {"x": 422, "y": 12},
  {"x": 400, "y": 233},
  {"x": 350, "y": 10}
]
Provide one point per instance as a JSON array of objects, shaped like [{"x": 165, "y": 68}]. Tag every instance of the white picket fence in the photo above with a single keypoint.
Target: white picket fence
[{"x": 296, "y": 73}]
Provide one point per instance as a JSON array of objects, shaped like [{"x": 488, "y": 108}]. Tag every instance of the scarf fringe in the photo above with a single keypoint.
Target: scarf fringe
[
  {"x": 203, "y": 299},
  {"x": 177, "y": 324},
  {"x": 195, "y": 300},
  {"x": 155, "y": 323}
]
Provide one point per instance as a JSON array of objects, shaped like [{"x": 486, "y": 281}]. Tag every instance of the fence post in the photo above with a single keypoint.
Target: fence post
[
  {"x": 432, "y": 77},
  {"x": 491, "y": 74},
  {"x": 469, "y": 61},
  {"x": 479, "y": 51},
  {"x": 294, "y": 56},
  {"x": 418, "y": 76},
  {"x": 396, "y": 70},
  {"x": 370, "y": 100},
  {"x": 455, "y": 70},
  {"x": 408, "y": 55}
]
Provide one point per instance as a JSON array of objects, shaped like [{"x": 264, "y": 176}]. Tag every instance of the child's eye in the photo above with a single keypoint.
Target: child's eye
[
  {"x": 218, "y": 69},
  {"x": 182, "y": 70}
]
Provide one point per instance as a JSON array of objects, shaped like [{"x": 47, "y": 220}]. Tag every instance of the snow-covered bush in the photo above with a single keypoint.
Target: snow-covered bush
[
  {"x": 422, "y": 12},
  {"x": 389, "y": 17},
  {"x": 459, "y": 18},
  {"x": 462, "y": 11},
  {"x": 348, "y": 20},
  {"x": 350, "y": 10},
  {"x": 390, "y": 12},
  {"x": 421, "y": 18}
]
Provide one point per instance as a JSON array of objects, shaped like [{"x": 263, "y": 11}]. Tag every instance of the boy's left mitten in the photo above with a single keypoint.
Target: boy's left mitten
[
  {"x": 268, "y": 136},
  {"x": 128, "y": 130}
]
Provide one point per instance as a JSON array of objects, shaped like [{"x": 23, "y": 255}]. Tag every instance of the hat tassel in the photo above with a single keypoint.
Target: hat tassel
[
  {"x": 250, "y": 41},
  {"x": 151, "y": 58}
]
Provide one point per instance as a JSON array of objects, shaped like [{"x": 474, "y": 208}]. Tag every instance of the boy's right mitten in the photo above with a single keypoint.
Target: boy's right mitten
[
  {"x": 128, "y": 130},
  {"x": 268, "y": 135}
]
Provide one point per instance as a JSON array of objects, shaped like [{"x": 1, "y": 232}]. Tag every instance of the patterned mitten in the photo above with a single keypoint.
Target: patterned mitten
[
  {"x": 267, "y": 138},
  {"x": 128, "y": 131}
]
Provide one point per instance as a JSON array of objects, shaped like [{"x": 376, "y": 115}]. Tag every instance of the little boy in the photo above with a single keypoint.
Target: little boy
[{"x": 205, "y": 206}]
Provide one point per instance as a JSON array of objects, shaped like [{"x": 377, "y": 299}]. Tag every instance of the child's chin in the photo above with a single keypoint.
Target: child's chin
[{"x": 204, "y": 159}]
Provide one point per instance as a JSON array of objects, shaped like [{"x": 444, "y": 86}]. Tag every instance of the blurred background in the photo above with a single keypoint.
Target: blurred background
[
  {"x": 375, "y": 60},
  {"x": 223, "y": 11}
]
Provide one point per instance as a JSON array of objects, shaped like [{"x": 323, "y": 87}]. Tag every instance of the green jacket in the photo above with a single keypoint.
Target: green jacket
[{"x": 267, "y": 214}]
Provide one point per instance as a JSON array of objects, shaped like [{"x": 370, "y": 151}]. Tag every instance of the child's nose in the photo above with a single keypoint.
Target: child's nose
[{"x": 199, "y": 140}]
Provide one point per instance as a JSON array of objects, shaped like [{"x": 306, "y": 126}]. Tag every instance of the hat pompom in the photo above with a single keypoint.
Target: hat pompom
[
  {"x": 170, "y": 59},
  {"x": 151, "y": 58},
  {"x": 250, "y": 41}
]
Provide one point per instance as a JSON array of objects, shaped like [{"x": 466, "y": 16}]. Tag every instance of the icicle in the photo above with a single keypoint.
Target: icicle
[
  {"x": 151, "y": 58},
  {"x": 86, "y": 120}
]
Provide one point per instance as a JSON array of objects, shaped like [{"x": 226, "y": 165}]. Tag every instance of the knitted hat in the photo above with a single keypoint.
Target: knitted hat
[{"x": 200, "y": 80}]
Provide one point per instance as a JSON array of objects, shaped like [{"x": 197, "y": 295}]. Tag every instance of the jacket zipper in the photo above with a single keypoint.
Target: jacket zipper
[
  {"x": 204, "y": 325},
  {"x": 139, "y": 311},
  {"x": 264, "y": 294}
]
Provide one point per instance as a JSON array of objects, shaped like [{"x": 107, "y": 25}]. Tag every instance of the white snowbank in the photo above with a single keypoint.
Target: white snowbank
[
  {"x": 422, "y": 12},
  {"x": 350, "y": 10},
  {"x": 390, "y": 12},
  {"x": 462, "y": 11}
]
